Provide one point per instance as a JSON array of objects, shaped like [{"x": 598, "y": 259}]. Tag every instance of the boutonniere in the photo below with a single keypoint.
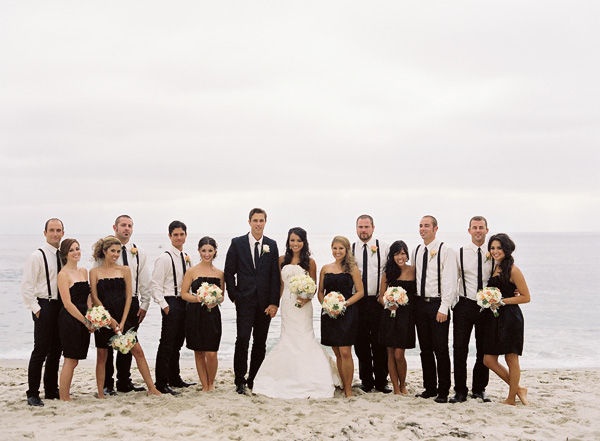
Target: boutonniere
[
  {"x": 432, "y": 254},
  {"x": 488, "y": 256},
  {"x": 373, "y": 249},
  {"x": 133, "y": 251},
  {"x": 188, "y": 261},
  {"x": 265, "y": 249}
]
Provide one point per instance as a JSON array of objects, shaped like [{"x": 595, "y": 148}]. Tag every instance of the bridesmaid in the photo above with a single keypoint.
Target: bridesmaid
[
  {"x": 203, "y": 325},
  {"x": 398, "y": 333},
  {"x": 504, "y": 334},
  {"x": 111, "y": 287},
  {"x": 73, "y": 328},
  {"x": 342, "y": 275}
]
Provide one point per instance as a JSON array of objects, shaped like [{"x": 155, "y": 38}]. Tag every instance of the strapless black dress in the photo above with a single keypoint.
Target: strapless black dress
[
  {"x": 503, "y": 334},
  {"x": 202, "y": 325},
  {"x": 399, "y": 331},
  {"x": 111, "y": 292},
  {"x": 74, "y": 336},
  {"x": 340, "y": 331}
]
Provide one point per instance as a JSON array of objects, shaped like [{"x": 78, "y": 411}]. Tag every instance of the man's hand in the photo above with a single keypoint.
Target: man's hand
[
  {"x": 141, "y": 315},
  {"x": 441, "y": 318},
  {"x": 271, "y": 310}
]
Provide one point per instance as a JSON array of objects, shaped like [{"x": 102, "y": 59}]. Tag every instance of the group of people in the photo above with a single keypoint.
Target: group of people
[{"x": 258, "y": 281}]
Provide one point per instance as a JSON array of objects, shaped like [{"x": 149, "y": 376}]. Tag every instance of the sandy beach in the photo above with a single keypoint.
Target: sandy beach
[{"x": 565, "y": 405}]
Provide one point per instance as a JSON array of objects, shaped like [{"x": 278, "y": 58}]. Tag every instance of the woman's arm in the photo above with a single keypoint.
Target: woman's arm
[
  {"x": 516, "y": 277},
  {"x": 64, "y": 283},
  {"x": 358, "y": 285},
  {"x": 128, "y": 295},
  {"x": 321, "y": 291},
  {"x": 186, "y": 285}
]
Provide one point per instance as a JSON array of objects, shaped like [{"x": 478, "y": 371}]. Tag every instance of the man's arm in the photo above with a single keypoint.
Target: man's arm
[
  {"x": 158, "y": 281},
  {"x": 144, "y": 287},
  {"x": 230, "y": 270},
  {"x": 449, "y": 274},
  {"x": 31, "y": 271}
]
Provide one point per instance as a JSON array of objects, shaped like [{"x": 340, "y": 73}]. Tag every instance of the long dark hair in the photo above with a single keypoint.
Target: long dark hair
[
  {"x": 391, "y": 270},
  {"x": 207, "y": 240},
  {"x": 304, "y": 252},
  {"x": 508, "y": 246},
  {"x": 65, "y": 246}
]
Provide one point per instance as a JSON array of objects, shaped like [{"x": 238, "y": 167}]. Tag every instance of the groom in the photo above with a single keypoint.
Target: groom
[{"x": 253, "y": 282}]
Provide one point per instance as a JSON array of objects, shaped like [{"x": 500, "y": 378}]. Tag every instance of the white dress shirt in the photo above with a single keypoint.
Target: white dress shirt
[
  {"x": 142, "y": 281},
  {"x": 470, "y": 269},
  {"x": 34, "y": 284},
  {"x": 373, "y": 271},
  {"x": 448, "y": 273},
  {"x": 162, "y": 275},
  {"x": 252, "y": 241}
]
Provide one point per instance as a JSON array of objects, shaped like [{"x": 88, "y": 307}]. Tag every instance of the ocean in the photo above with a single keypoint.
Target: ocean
[{"x": 561, "y": 327}]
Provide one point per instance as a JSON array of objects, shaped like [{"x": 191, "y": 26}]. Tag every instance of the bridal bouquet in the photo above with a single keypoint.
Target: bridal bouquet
[
  {"x": 334, "y": 304},
  {"x": 209, "y": 295},
  {"x": 394, "y": 296},
  {"x": 124, "y": 342},
  {"x": 303, "y": 286},
  {"x": 491, "y": 298},
  {"x": 98, "y": 317}
]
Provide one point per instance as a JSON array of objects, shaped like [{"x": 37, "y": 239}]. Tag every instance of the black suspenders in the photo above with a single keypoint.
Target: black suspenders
[
  {"x": 47, "y": 273},
  {"x": 174, "y": 273},
  {"x": 378, "y": 265},
  {"x": 439, "y": 270}
]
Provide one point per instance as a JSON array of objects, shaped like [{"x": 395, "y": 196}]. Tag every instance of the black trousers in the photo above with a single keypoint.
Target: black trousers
[
  {"x": 251, "y": 320},
  {"x": 46, "y": 349},
  {"x": 466, "y": 317},
  {"x": 433, "y": 342},
  {"x": 123, "y": 360},
  {"x": 172, "y": 336},
  {"x": 372, "y": 356}
]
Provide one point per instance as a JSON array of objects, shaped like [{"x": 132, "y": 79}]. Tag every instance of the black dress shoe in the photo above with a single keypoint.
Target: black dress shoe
[
  {"x": 240, "y": 389},
  {"x": 481, "y": 395},
  {"x": 166, "y": 390},
  {"x": 35, "y": 401},
  {"x": 52, "y": 395},
  {"x": 458, "y": 398},
  {"x": 441, "y": 399},
  {"x": 250, "y": 384},
  {"x": 181, "y": 383},
  {"x": 383, "y": 390},
  {"x": 130, "y": 387},
  {"x": 427, "y": 394},
  {"x": 366, "y": 389},
  {"x": 109, "y": 391}
]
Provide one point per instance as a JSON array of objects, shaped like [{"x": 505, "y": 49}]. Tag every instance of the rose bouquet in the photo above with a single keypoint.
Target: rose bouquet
[
  {"x": 303, "y": 286},
  {"x": 98, "y": 317},
  {"x": 490, "y": 297},
  {"x": 394, "y": 296},
  {"x": 124, "y": 342},
  {"x": 334, "y": 304},
  {"x": 209, "y": 295}
]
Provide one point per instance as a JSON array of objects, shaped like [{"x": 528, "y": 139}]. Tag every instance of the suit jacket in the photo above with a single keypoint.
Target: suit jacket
[{"x": 243, "y": 280}]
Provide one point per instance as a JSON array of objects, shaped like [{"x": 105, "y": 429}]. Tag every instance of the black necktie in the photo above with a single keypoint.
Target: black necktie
[
  {"x": 183, "y": 263},
  {"x": 479, "y": 270},
  {"x": 256, "y": 255},
  {"x": 364, "y": 270},
  {"x": 423, "y": 272},
  {"x": 124, "y": 254}
]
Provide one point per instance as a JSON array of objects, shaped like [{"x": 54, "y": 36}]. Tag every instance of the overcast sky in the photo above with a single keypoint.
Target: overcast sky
[{"x": 316, "y": 111}]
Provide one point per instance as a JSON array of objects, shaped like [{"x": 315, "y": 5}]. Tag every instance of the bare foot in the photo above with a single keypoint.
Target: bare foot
[
  {"x": 522, "y": 394},
  {"x": 153, "y": 392},
  {"x": 100, "y": 396},
  {"x": 404, "y": 390},
  {"x": 509, "y": 402}
]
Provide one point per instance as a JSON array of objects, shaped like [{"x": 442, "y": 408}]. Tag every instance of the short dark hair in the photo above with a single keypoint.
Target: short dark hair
[
  {"x": 433, "y": 219},
  {"x": 257, "y": 211},
  {"x": 365, "y": 216},
  {"x": 177, "y": 224},
  {"x": 478, "y": 218},
  {"x": 53, "y": 219},
  {"x": 122, "y": 215}
]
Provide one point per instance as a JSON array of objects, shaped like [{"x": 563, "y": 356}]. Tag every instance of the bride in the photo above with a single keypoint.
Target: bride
[{"x": 297, "y": 367}]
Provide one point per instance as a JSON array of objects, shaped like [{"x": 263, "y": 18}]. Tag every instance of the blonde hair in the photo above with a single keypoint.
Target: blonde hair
[
  {"x": 102, "y": 245},
  {"x": 348, "y": 263}
]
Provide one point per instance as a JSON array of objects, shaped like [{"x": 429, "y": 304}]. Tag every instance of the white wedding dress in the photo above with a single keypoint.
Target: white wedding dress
[{"x": 297, "y": 366}]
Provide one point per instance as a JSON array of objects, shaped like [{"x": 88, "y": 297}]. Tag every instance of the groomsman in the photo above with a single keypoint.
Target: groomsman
[
  {"x": 167, "y": 277},
  {"x": 436, "y": 276},
  {"x": 40, "y": 295},
  {"x": 253, "y": 282},
  {"x": 474, "y": 269},
  {"x": 370, "y": 255},
  {"x": 135, "y": 259}
]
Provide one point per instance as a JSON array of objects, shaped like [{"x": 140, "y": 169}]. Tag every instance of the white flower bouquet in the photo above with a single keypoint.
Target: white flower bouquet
[
  {"x": 124, "y": 342},
  {"x": 490, "y": 297},
  {"x": 394, "y": 296},
  {"x": 98, "y": 317},
  {"x": 303, "y": 286},
  {"x": 334, "y": 304},
  {"x": 210, "y": 295}
]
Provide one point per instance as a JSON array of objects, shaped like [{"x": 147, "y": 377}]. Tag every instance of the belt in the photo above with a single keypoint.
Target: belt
[
  {"x": 46, "y": 299},
  {"x": 466, "y": 298},
  {"x": 430, "y": 299}
]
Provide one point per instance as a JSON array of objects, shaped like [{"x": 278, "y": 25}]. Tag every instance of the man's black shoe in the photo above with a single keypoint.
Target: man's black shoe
[
  {"x": 241, "y": 389},
  {"x": 441, "y": 399},
  {"x": 109, "y": 391},
  {"x": 35, "y": 401},
  {"x": 167, "y": 390},
  {"x": 427, "y": 394},
  {"x": 383, "y": 390},
  {"x": 129, "y": 388},
  {"x": 458, "y": 398},
  {"x": 181, "y": 383},
  {"x": 482, "y": 396}
]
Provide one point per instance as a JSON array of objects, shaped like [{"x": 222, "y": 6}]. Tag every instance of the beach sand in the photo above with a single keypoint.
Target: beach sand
[{"x": 564, "y": 405}]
